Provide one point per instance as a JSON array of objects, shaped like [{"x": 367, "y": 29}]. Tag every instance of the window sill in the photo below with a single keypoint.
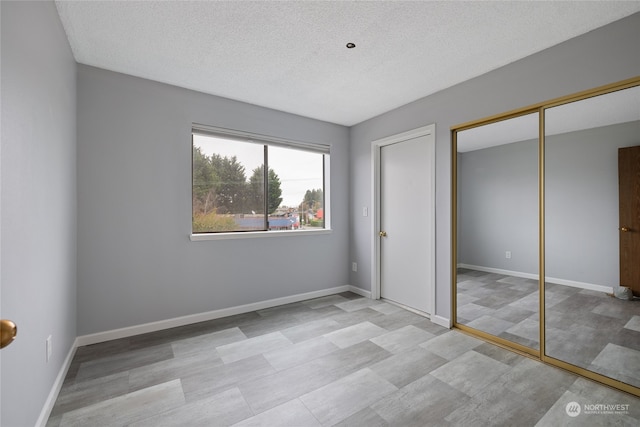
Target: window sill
[{"x": 256, "y": 234}]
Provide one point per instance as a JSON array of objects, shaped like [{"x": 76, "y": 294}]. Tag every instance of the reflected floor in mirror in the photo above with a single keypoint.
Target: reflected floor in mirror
[
  {"x": 501, "y": 305},
  {"x": 586, "y": 328},
  {"x": 596, "y": 331}
]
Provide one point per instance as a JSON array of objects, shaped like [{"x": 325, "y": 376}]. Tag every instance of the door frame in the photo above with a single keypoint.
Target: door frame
[{"x": 376, "y": 147}]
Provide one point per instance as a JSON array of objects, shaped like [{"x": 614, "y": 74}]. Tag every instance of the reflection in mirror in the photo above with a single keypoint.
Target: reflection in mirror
[
  {"x": 592, "y": 193},
  {"x": 497, "y": 229}
]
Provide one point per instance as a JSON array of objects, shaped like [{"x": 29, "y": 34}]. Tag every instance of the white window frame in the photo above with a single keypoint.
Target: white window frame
[{"x": 270, "y": 141}]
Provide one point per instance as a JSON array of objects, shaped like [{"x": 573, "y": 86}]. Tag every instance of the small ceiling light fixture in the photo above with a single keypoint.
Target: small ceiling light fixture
[{"x": 351, "y": 45}]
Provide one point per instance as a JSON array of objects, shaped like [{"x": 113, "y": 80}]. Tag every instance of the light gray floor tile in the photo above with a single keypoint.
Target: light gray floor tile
[
  {"x": 496, "y": 406},
  {"x": 397, "y": 320},
  {"x": 408, "y": 366},
  {"x": 284, "y": 310},
  {"x": 468, "y": 284},
  {"x": 270, "y": 324},
  {"x": 531, "y": 302},
  {"x": 299, "y": 353},
  {"x": 85, "y": 393},
  {"x": 310, "y": 329},
  {"x": 270, "y": 391},
  {"x": 633, "y": 323},
  {"x": 620, "y": 360},
  {"x": 386, "y": 308},
  {"x": 498, "y": 353},
  {"x": 354, "y": 334},
  {"x": 273, "y": 390},
  {"x": 123, "y": 362},
  {"x": 222, "y": 409},
  {"x": 292, "y": 413},
  {"x": 207, "y": 342},
  {"x": 451, "y": 344},
  {"x": 351, "y": 359},
  {"x": 490, "y": 324},
  {"x": 167, "y": 370},
  {"x": 616, "y": 308},
  {"x": 512, "y": 280},
  {"x": 338, "y": 400},
  {"x": 318, "y": 313},
  {"x": 471, "y": 372},
  {"x": 539, "y": 383},
  {"x": 473, "y": 311},
  {"x": 528, "y": 329},
  {"x": 552, "y": 299},
  {"x": 425, "y": 402},
  {"x": 480, "y": 291},
  {"x": 433, "y": 328},
  {"x": 325, "y": 301},
  {"x": 213, "y": 380},
  {"x": 252, "y": 346},
  {"x": 127, "y": 409},
  {"x": 463, "y": 299},
  {"x": 513, "y": 314},
  {"x": 358, "y": 316},
  {"x": 402, "y": 339},
  {"x": 357, "y": 304},
  {"x": 365, "y": 418}
]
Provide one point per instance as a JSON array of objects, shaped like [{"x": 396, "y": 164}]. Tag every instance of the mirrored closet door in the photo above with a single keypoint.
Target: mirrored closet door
[
  {"x": 553, "y": 191},
  {"x": 592, "y": 234},
  {"x": 497, "y": 290}
]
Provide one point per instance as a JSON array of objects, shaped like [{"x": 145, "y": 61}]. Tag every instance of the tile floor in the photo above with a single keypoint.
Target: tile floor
[
  {"x": 340, "y": 360},
  {"x": 588, "y": 329}
]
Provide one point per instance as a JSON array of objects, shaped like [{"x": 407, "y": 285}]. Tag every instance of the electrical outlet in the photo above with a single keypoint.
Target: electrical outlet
[
  {"x": 365, "y": 211},
  {"x": 507, "y": 254},
  {"x": 48, "y": 344},
  {"x": 354, "y": 266}
]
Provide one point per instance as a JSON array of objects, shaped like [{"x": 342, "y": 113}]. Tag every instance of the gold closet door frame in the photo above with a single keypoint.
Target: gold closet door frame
[{"x": 540, "y": 108}]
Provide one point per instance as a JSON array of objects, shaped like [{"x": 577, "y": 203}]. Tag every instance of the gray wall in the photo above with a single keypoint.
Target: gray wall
[
  {"x": 136, "y": 263},
  {"x": 603, "y": 56},
  {"x": 38, "y": 204},
  {"x": 498, "y": 207},
  {"x": 581, "y": 203}
]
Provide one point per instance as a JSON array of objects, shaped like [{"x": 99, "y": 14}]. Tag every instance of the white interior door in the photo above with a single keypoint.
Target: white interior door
[{"x": 407, "y": 222}]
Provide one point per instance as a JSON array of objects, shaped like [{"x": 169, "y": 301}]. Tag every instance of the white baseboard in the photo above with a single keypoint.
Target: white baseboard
[
  {"x": 499, "y": 271},
  {"x": 442, "y": 321},
  {"x": 209, "y": 315},
  {"x": 582, "y": 285},
  {"x": 360, "y": 291},
  {"x": 572, "y": 283},
  {"x": 57, "y": 385}
]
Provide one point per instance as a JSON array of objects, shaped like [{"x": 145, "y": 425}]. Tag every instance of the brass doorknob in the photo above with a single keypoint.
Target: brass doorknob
[
  {"x": 8, "y": 332},
  {"x": 624, "y": 229},
  {"x": 383, "y": 234}
]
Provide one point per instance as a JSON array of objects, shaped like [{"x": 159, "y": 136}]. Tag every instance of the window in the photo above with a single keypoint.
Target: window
[{"x": 249, "y": 183}]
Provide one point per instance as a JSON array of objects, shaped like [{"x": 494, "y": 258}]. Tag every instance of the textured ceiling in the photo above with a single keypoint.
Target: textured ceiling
[{"x": 291, "y": 56}]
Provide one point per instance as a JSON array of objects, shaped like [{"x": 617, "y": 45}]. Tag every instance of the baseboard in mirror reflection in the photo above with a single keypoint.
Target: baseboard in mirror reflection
[{"x": 556, "y": 281}]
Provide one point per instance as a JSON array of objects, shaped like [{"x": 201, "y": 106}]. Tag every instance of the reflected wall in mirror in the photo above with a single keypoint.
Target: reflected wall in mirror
[
  {"x": 497, "y": 288},
  {"x": 592, "y": 233}
]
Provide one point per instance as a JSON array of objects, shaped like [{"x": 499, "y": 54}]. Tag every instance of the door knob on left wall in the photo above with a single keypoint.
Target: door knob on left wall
[{"x": 8, "y": 332}]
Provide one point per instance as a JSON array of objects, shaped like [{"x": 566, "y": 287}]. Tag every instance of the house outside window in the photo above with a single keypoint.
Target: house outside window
[{"x": 246, "y": 183}]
